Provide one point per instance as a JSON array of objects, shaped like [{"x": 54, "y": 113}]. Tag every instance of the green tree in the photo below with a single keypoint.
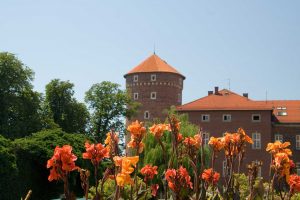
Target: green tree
[
  {"x": 8, "y": 169},
  {"x": 32, "y": 153},
  {"x": 19, "y": 104},
  {"x": 69, "y": 114},
  {"x": 109, "y": 105}
]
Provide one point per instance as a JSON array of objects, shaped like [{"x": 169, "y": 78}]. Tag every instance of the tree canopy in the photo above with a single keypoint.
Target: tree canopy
[
  {"x": 60, "y": 103},
  {"x": 19, "y": 104},
  {"x": 109, "y": 106}
]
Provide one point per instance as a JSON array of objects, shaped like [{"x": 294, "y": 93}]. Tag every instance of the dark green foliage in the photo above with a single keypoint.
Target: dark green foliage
[
  {"x": 109, "y": 105},
  {"x": 28, "y": 156},
  {"x": 63, "y": 108},
  {"x": 8, "y": 169},
  {"x": 19, "y": 104}
]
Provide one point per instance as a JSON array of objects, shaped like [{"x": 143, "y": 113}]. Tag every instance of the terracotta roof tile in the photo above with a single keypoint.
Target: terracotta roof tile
[
  {"x": 153, "y": 64},
  {"x": 224, "y": 100},
  {"x": 285, "y": 111}
]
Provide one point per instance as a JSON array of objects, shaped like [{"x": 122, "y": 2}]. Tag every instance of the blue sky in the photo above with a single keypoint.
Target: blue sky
[{"x": 254, "y": 43}]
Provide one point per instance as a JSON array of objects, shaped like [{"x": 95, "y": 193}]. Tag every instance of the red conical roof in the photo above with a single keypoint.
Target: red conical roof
[{"x": 153, "y": 64}]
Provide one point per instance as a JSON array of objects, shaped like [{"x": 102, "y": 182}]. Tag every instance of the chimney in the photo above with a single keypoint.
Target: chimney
[
  {"x": 210, "y": 92},
  {"x": 216, "y": 90},
  {"x": 245, "y": 95}
]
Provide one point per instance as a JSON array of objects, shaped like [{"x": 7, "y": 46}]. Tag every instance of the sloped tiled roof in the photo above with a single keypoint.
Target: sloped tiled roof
[
  {"x": 224, "y": 100},
  {"x": 153, "y": 64},
  {"x": 285, "y": 111}
]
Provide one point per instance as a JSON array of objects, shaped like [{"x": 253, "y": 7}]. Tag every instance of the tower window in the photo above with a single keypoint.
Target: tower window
[
  {"x": 153, "y": 95},
  {"x": 256, "y": 118},
  {"x": 205, "y": 118},
  {"x": 153, "y": 77},
  {"x": 135, "y": 96},
  {"x": 135, "y": 78},
  {"x": 227, "y": 118},
  {"x": 146, "y": 115}
]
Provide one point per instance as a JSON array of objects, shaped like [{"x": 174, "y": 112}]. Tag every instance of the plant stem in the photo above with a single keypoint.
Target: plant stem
[
  {"x": 166, "y": 164},
  {"x": 66, "y": 187},
  {"x": 96, "y": 181}
]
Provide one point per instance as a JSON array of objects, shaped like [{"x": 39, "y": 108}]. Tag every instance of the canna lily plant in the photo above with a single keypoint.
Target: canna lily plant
[{"x": 184, "y": 175}]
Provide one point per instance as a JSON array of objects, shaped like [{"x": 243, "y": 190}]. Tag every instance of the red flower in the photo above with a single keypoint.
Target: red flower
[
  {"x": 95, "y": 152},
  {"x": 154, "y": 189},
  {"x": 149, "y": 172},
  {"x": 294, "y": 183},
  {"x": 292, "y": 164},
  {"x": 210, "y": 177},
  {"x": 179, "y": 137},
  {"x": 61, "y": 163},
  {"x": 178, "y": 179}
]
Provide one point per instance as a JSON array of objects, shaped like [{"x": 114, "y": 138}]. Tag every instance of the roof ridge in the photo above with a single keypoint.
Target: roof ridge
[{"x": 154, "y": 64}]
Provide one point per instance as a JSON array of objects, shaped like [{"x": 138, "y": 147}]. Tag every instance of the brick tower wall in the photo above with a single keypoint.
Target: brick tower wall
[{"x": 168, "y": 88}]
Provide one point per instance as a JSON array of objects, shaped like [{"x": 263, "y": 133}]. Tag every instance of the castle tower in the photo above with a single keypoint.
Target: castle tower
[{"x": 156, "y": 86}]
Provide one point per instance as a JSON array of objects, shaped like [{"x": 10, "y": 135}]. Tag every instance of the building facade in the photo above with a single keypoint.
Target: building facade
[{"x": 157, "y": 86}]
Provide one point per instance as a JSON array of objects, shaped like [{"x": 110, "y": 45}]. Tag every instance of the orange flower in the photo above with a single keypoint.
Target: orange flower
[
  {"x": 210, "y": 176},
  {"x": 118, "y": 161},
  {"x": 282, "y": 165},
  {"x": 193, "y": 141},
  {"x": 137, "y": 132},
  {"x": 178, "y": 179},
  {"x": 216, "y": 143},
  {"x": 158, "y": 129},
  {"x": 111, "y": 142},
  {"x": 231, "y": 142},
  {"x": 148, "y": 171},
  {"x": 95, "y": 152},
  {"x": 61, "y": 163},
  {"x": 294, "y": 183},
  {"x": 136, "y": 129},
  {"x": 277, "y": 146},
  {"x": 154, "y": 189},
  {"x": 280, "y": 159},
  {"x": 127, "y": 165},
  {"x": 244, "y": 137},
  {"x": 123, "y": 179},
  {"x": 111, "y": 138},
  {"x": 133, "y": 144}
]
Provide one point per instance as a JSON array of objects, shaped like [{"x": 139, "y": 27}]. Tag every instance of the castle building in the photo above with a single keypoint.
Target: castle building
[{"x": 157, "y": 86}]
